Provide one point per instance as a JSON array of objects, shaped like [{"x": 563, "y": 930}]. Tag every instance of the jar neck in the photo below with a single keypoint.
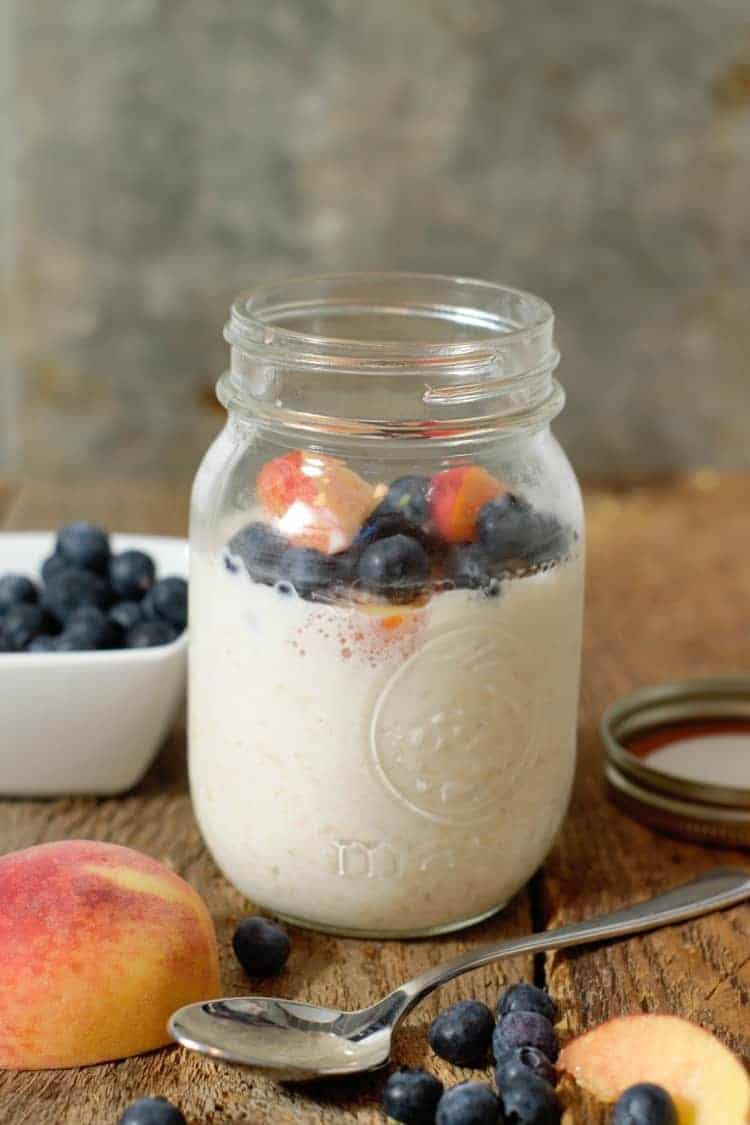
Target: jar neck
[{"x": 392, "y": 355}]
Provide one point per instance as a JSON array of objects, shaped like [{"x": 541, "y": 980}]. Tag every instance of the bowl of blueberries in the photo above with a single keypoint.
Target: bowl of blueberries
[{"x": 93, "y": 647}]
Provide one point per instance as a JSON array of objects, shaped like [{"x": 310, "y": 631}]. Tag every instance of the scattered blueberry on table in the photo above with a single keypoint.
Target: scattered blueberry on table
[
  {"x": 89, "y": 599},
  {"x": 523, "y": 1029},
  {"x": 522, "y": 1059},
  {"x": 524, "y": 997},
  {"x": 411, "y": 1096},
  {"x": 462, "y": 1033},
  {"x": 152, "y": 1111},
  {"x": 529, "y": 1100},
  {"x": 524, "y": 1043},
  {"x": 644, "y": 1104},
  {"x": 261, "y": 946},
  {"x": 469, "y": 1103}
]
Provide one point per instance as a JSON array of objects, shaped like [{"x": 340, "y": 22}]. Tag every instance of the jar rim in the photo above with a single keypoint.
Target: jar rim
[
  {"x": 502, "y": 317},
  {"x": 453, "y": 354}
]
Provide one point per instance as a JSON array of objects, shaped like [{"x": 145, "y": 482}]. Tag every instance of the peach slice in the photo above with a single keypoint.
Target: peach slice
[
  {"x": 317, "y": 501},
  {"x": 708, "y": 1084},
  {"x": 99, "y": 944},
  {"x": 456, "y": 495}
]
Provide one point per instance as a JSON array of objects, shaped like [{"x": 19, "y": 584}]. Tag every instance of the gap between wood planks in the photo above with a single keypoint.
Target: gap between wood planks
[{"x": 538, "y": 923}]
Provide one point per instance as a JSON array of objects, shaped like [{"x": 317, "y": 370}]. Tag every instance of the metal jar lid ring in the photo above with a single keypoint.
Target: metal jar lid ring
[{"x": 657, "y": 717}]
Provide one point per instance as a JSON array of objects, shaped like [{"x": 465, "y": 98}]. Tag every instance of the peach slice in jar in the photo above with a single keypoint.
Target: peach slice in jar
[
  {"x": 315, "y": 500},
  {"x": 456, "y": 495},
  {"x": 708, "y": 1084}
]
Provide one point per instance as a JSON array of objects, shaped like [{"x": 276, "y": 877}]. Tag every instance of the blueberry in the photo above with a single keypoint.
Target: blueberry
[
  {"x": 16, "y": 589},
  {"x": 125, "y": 615},
  {"x": 149, "y": 634},
  {"x": 55, "y": 565},
  {"x": 308, "y": 570},
  {"x": 644, "y": 1104},
  {"x": 469, "y": 1103},
  {"x": 259, "y": 548},
  {"x": 73, "y": 588},
  {"x": 43, "y": 643},
  {"x": 84, "y": 545},
  {"x": 152, "y": 1111},
  {"x": 88, "y": 628},
  {"x": 501, "y": 525},
  {"x": 167, "y": 601},
  {"x": 412, "y": 1096},
  {"x": 396, "y": 567},
  {"x": 547, "y": 539},
  {"x": 21, "y": 624},
  {"x": 524, "y": 1029},
  {"x": 468, "y": 568},
  {"x": 261, "y": 947},
  {"x": 131, "y": 574},
  {"x": 509, "y": 528},
  {"x": 523, "y": 997},
  {"x": 409, "y": 497},
  {"x": 529, "y": 1100},
  {"x": 462, "y": 1033},
  {"x": 346, "y": 563},
  {"x": 381, "y": 525},
  {"x": 524, "y": 1059}
]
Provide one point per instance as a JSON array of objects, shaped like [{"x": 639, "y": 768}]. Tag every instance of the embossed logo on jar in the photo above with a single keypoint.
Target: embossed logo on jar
[{"x": 454, "y": 727}]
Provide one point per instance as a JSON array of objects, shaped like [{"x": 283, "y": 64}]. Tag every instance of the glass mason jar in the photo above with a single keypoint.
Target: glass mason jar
[{"x": 385, "y": 603}]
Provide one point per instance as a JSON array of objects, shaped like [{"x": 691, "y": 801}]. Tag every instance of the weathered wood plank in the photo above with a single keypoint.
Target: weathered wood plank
[
  {"x": 8, "y": 492},
  {"x": 668, "y": 597},
  {"x": 147, "y": 506},
  {"x": 157, "y": 818}
]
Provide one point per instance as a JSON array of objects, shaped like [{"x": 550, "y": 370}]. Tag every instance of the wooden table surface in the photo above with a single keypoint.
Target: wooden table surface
[{"x": 668, "y": 596}]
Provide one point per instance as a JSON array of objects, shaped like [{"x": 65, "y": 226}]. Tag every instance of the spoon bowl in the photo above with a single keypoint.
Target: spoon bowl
[{"x": 294, "y": 1041}]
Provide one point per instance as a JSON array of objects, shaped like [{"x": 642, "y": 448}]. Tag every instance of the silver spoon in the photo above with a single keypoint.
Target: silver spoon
[{"x": 297, "y": 1042}]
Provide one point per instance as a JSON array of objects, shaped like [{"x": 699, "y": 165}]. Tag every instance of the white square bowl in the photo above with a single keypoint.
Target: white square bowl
[{"x": 86, "y": 722}]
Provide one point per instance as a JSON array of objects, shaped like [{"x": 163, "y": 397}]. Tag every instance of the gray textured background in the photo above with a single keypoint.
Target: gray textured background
[{"x": 163, "y": 154}]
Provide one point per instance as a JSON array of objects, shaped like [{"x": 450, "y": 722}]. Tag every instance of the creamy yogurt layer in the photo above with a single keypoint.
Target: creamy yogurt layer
[{"x": 382, "y": 767}]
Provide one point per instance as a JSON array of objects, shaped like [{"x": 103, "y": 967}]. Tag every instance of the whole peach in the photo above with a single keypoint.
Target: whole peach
[{"x": 98, "y": 945}]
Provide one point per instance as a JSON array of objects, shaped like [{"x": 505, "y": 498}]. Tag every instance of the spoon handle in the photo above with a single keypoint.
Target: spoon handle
[{"x": 716, "y": 890}]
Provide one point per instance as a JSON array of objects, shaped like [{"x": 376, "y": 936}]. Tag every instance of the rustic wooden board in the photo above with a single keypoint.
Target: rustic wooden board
[
  {"x": 653, "y": 613},
  {"x": 668, "y": 597},
  {"x": 7, "y": 494}
]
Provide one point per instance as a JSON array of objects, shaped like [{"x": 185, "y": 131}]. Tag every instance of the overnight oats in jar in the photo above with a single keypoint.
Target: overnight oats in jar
[{"x": 385, "y": 603}]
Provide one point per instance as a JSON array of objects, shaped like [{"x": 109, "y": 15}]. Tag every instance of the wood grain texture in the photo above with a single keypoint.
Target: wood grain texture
[
  {"x": 7, "y": 493},
  {"x": 668, "y": 595}
]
